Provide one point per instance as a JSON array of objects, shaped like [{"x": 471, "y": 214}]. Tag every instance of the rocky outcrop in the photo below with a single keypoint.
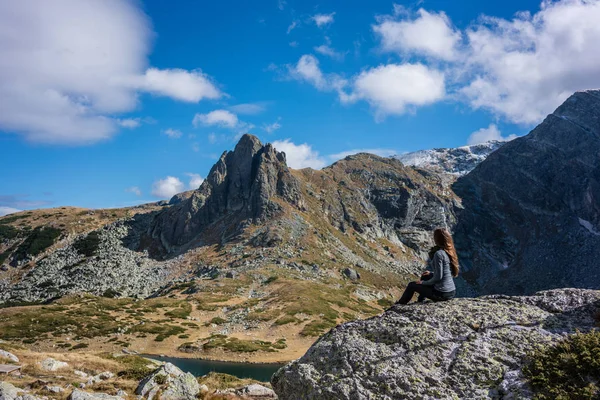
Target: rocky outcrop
[
  {"x": 112, "y": 270},
  {"x": 52, "y": 365},
  {"x": 10, "y": 392},
  {"x": 242, "y": 187},
  {"x": 531, "y": 211},
  {"x": 456, "y": 161},
  {"x": 464, "y": 348},
  {"x": 381, "y": 198},
  {"x": 169, "y": 383}
]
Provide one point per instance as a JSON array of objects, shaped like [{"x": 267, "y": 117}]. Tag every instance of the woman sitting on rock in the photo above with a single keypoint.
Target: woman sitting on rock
[{"x": 439, "y": 284}]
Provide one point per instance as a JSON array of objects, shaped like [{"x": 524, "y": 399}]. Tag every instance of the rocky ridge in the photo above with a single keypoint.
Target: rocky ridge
[
  {"x": 456, "y": 161},
  {"x": 113, "y": 270},
  {"x": 464, "y": 348},
  {"x": 530, "y": 217}
]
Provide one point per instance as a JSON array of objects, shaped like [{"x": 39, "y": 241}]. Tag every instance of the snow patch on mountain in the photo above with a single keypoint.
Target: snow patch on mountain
[{"x": 455, "y": 161}]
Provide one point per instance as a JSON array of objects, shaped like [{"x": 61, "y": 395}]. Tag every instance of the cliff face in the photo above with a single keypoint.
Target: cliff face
[
  {"x": 243, "y": 185},
  {"x": 531, "y": 217},
  {"x": 461, "y": 349}
]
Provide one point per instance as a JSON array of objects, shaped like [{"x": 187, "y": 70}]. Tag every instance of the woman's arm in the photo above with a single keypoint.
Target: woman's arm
[{"x": 438, "y": 267}]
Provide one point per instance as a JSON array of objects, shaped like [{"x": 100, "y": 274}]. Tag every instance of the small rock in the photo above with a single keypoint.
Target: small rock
[
  {"x": 81, "y": 395},
  {"x": 54, "y": 389},
  {"x": 51, "y": 365},
  {"x": 104, "y": 376},
  {"x": 80, "y": 374},
  {"x": 204, "y": 389},
  {"x": 351, "y": 274},
  {"x": 256, "y": 391},
  {"x": 10, "y": 356}
]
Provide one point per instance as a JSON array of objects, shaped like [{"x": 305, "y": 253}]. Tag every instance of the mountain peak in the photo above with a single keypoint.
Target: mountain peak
[{"x": 241, "y": 188}]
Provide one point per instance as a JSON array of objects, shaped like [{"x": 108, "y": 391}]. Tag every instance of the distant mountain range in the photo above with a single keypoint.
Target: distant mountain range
[
  {"x": 457, "y": 161},
  {"x": 526, "y": 215}
]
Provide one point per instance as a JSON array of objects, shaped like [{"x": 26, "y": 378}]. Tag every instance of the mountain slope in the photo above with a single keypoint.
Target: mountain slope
[
  {"x": 456, "y": 161},
  {"x": 531, "y": 217}
]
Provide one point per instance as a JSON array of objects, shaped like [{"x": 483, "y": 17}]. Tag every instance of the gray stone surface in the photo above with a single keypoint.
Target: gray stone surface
[
  {"x": 114, "y": 268},
  {"x": 8, "y": 356},
  {"x": 461, "y": 349},
  {"x": 169, "y": 383},
  {"x": 52, "y": 365},
  {"x": 256, "y": 391},
  {"x": 81, "y": 395}
]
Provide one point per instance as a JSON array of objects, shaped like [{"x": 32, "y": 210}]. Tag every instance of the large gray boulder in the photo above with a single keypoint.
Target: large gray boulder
[
  {"x": 461, "y": 349},
  {"x": 169, "y": 383}
]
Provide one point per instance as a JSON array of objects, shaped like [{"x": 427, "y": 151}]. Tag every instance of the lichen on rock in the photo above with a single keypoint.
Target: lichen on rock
[{"x": 461, "y": 349}]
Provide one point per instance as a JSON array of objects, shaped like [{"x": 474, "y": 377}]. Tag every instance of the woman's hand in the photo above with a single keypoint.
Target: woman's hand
[
  {"x": 426, "y": 273},
  {"x": 419, "y": 282}
]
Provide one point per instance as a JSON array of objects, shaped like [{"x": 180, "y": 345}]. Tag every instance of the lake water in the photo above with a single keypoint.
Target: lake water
[{"x": 259, "y": 372}]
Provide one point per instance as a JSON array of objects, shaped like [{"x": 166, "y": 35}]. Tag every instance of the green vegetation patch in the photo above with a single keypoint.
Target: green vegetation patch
[
  {"x": 183, "y": 310},
  {"x": 568, "y": 370},
  {"x": 241, "y": 346},
  {"x": 8, "y": 232},
  {"x": 220, "y": 381},
  {"x": 37, "y": 241},
  {"x": 88, "y": 245},
  {"x": 133, "y": 367},
  {"x": 12, "y": 218}
]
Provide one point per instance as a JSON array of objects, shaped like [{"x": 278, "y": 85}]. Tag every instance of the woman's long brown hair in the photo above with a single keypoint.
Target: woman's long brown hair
[{"x": 443, "y": 239}]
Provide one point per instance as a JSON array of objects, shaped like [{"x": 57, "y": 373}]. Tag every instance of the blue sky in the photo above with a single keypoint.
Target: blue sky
[{"x": 110, "y": 103}]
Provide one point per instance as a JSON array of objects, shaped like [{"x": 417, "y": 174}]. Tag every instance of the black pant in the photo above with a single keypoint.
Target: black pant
[{"x": 424, "y": 291}]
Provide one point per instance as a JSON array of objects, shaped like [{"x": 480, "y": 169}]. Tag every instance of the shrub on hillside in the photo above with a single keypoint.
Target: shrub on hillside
[
  {"x": 37, "y": 241},
  {"x": 568, "y": 370},
  {"x": 88, "y": 245}
]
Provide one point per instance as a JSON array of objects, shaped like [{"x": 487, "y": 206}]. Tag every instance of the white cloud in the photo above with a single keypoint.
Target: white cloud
[
  {"x": 486, "y": 134},
  {"x": 195, "y": 181},
  {"x": 212, "y": 138},
  {"x": 328, "y": 51},
  {"x": 294, "y": 44},
  {"x": 65, "y": 82},
  {"x": 323, "y": 19},
  {"x": 270, "y": 128},
  {"x": 135, "y": 190},
  {"x": 393, "y": 88},
  {"x": 429, "y": 34},
  {"x": 292, "y": 26},
  {"x": 8, "y": 210},
  {"x": 172, "y": 133},
  {"x": 130, "y": 123},
  {"x": 167, "y": 188},
  {"x": 524, "y": 68},
  {"x": 196, "y": 147},
  {"x": 300, "y": 156},
  {"x": 281, "y": 4},
  {"x": 222, "y": 118},
  {"x": 179, "y": 84},
  {"x": 249, "y": 108},
  {"x": 378, "y": 152},
  {"x": 307, "y": 69}
]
